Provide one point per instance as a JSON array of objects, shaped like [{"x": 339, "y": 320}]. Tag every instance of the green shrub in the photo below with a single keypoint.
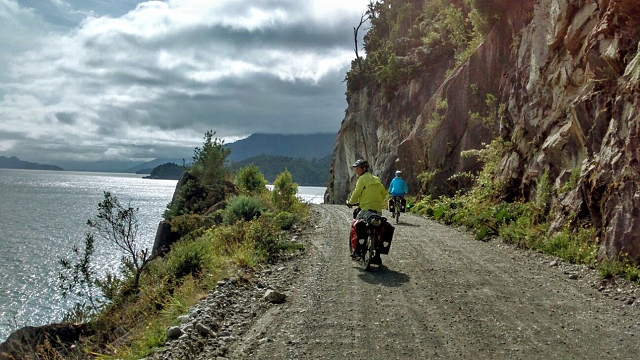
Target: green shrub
[
  {"x": 571, "y": 184},
  {"x": 285, "y": 220},
  {"x": 244, "y": 208},
  {"x": 188, "y": 258},
  {"x": 209, "y": 164},
  {"x": 249, "y": 178},
  {"x": 523, "y": 226},
  {"x": 187, "y": 223},
  {"x": 204, "y": 182},
  {"x": 620, "y": 267},
  {"x": 543, "y": 191},
  {"x": 578, "y": 247},
  {"x": 267, "y": 246},
  {"x": 609, "y": 269},
  {"x": 632, "y": 273}
]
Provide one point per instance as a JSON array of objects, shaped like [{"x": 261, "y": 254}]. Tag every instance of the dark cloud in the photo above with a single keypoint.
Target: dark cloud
[{"x": 66, "y": 118}]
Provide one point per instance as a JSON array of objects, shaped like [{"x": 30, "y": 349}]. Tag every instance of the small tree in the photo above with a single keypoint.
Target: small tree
[
  {"x": 250, "y": 178},
  {"x": 209, "y": 165},
  {"x": 284, "y": 191},
  {"x": 204, "y": 184},
  {"x": 118, "y": 225}
]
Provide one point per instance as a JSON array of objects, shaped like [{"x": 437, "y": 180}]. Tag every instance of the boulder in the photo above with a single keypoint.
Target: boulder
[
  {"x": 274, "y": 297},
  {"x": 22, "y": 343}
]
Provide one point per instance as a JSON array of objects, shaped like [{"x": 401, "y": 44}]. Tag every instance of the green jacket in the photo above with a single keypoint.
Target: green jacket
[{"x": 369, "y": 192}]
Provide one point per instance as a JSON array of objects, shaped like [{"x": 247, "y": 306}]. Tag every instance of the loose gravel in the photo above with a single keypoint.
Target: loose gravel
[{"x": 439, "y": 294}]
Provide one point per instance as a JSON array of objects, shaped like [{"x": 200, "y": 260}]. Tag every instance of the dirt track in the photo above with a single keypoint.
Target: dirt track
[{"x": 440, "y": 295}]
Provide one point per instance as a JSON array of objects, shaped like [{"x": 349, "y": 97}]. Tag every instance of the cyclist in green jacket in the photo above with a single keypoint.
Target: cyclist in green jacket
[
  {"x": 369, "y": 191},
  {"x": 369, "y": 194}
]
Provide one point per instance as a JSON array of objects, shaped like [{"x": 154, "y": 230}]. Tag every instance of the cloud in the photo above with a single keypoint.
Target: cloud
[
  {"x": 153, "y": 79},
  {"x": 20, "y": 29}
]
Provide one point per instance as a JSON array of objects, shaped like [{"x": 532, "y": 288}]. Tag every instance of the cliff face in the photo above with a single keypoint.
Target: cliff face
[
  {"x": 374, "y": 128},
  {"x": 557, "y": 78}
]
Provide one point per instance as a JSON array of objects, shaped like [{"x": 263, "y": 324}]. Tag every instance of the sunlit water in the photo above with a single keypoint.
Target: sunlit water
[{"x": 44, "y": 213}]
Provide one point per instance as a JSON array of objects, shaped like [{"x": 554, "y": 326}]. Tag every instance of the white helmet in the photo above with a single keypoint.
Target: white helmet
[{"x": 398, "y": 173}]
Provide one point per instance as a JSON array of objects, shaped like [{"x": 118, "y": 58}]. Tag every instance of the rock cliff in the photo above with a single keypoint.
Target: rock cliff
[{"x": 557, "y": 78}]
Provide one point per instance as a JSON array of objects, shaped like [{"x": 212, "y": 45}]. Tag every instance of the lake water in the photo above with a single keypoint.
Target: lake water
[{"x": 44, "y": 213}]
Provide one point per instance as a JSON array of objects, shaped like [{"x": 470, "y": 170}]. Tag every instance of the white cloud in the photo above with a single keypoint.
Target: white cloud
[{"x": 6, "y": 145}]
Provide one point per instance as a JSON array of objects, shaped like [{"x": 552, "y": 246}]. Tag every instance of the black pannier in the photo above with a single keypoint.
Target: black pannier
[{"x": 386, "y": 235}]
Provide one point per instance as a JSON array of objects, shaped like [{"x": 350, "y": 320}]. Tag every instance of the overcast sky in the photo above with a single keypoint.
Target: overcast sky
[{"x": 126, "y": 80}]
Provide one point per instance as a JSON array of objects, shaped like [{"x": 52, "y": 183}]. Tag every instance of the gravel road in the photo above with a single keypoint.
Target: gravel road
[{"x": 440, "y": 294}]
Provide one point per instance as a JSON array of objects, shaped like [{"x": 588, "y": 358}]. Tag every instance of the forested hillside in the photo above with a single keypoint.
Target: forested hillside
[
  {"x": 306, "y": 146},
  {"x": 314, "y": 172}
]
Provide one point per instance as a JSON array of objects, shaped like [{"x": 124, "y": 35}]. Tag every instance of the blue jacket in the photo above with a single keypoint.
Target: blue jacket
[{"x": 398, "y": 187}]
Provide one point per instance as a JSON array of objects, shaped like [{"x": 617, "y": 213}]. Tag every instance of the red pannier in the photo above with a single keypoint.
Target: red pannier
[{"x": 358, "y": 231}]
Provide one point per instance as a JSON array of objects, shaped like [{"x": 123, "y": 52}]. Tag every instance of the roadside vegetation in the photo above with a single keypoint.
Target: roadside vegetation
[
  {"x": 483, "y": 210},
  {"x": 227, "y": 221}
]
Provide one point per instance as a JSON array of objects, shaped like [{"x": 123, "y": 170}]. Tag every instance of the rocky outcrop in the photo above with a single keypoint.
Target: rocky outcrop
[
  {"x": 578, "y": 112},
  {"x": 165, "y": 237},
  {"x": 557, "y": 78},
  {"x": 56, "y": 340}
]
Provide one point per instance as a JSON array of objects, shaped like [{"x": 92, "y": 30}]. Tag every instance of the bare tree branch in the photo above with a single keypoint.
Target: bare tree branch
[{"x": 363, "y": 18}]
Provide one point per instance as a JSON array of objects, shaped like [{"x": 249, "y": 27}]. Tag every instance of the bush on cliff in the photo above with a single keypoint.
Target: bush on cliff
[
  {"x": 244, "y": 208},
  {"x": 284, "y": 191},
  {"x": 409, "y": 36}
]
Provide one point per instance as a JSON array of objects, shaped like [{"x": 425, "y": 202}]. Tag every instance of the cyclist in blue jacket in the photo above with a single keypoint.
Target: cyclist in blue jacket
[{"x": 398, "y": 187}]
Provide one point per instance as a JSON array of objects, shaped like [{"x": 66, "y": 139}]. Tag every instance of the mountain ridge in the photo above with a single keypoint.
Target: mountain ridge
[
  {"x": 15, "y": 163},
  {"x": 307, "y": 146}
]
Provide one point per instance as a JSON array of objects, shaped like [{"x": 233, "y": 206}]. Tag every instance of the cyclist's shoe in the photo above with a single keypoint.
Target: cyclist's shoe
[
  {"x": 355, "y": 256},
  {"x": 376, "y": 260}
]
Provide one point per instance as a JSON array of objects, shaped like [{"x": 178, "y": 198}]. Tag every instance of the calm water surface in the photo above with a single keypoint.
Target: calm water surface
[{"x": 43, "y": 214}]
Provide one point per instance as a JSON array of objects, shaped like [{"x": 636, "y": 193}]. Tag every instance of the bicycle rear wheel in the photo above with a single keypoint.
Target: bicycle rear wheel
[{"x": 367, "y": 253}]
